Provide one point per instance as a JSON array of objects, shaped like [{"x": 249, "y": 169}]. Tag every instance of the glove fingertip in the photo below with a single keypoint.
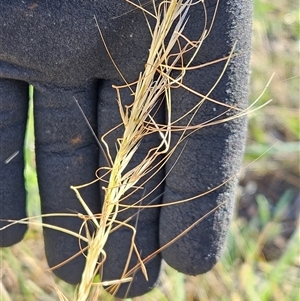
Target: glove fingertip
[{"x": 12, "y": 234}]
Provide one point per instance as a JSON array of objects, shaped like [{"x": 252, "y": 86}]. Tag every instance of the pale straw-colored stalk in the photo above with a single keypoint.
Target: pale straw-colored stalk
[{"x": 153, "y": 83}]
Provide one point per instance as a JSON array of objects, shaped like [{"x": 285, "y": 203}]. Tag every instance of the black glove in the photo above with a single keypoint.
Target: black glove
[{"x": 56, "y": 47}]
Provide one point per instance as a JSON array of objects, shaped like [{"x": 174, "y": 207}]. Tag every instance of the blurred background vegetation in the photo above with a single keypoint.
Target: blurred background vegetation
[{"x": 262, "y": 259}]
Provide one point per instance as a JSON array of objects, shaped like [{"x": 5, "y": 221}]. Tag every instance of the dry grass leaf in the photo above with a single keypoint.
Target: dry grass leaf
[{"x": 153, "y": 86}]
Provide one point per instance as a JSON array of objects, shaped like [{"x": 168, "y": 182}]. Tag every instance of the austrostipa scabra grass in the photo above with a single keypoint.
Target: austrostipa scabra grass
[
  {"x": 154, "y": 87},
  {"x": 164, "y": 72}
]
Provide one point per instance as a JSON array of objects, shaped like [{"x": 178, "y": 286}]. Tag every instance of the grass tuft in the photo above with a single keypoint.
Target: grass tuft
[{"x": 262, "y": 261}]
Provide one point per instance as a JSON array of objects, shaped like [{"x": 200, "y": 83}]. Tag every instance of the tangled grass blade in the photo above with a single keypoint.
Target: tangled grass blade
[{"x": 154, "y": 83}]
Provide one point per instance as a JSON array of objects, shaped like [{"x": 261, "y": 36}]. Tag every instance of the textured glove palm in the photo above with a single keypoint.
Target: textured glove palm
[{"x": 56, "y": 47}]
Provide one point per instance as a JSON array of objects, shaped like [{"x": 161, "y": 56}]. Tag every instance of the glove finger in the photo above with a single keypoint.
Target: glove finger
[
  {"x": 66, "y": 154},
  {"x": 13, "y": 117},
  {"x": 144, "y": 221},
  {"x": 213, "y": 154}
]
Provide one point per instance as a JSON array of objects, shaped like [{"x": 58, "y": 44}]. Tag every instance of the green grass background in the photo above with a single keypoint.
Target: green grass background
[{"x": 261, "y": 261}]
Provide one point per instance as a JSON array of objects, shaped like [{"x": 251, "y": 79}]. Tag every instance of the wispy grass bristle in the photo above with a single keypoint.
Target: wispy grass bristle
[
  {"x": 243, "y": 271},
  {"x": 154, "y": 86},
  {"x": 153, "y": 83}
]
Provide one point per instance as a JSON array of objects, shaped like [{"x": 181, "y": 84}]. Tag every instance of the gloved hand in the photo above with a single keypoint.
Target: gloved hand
[{"x": 56, "y": 47}]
